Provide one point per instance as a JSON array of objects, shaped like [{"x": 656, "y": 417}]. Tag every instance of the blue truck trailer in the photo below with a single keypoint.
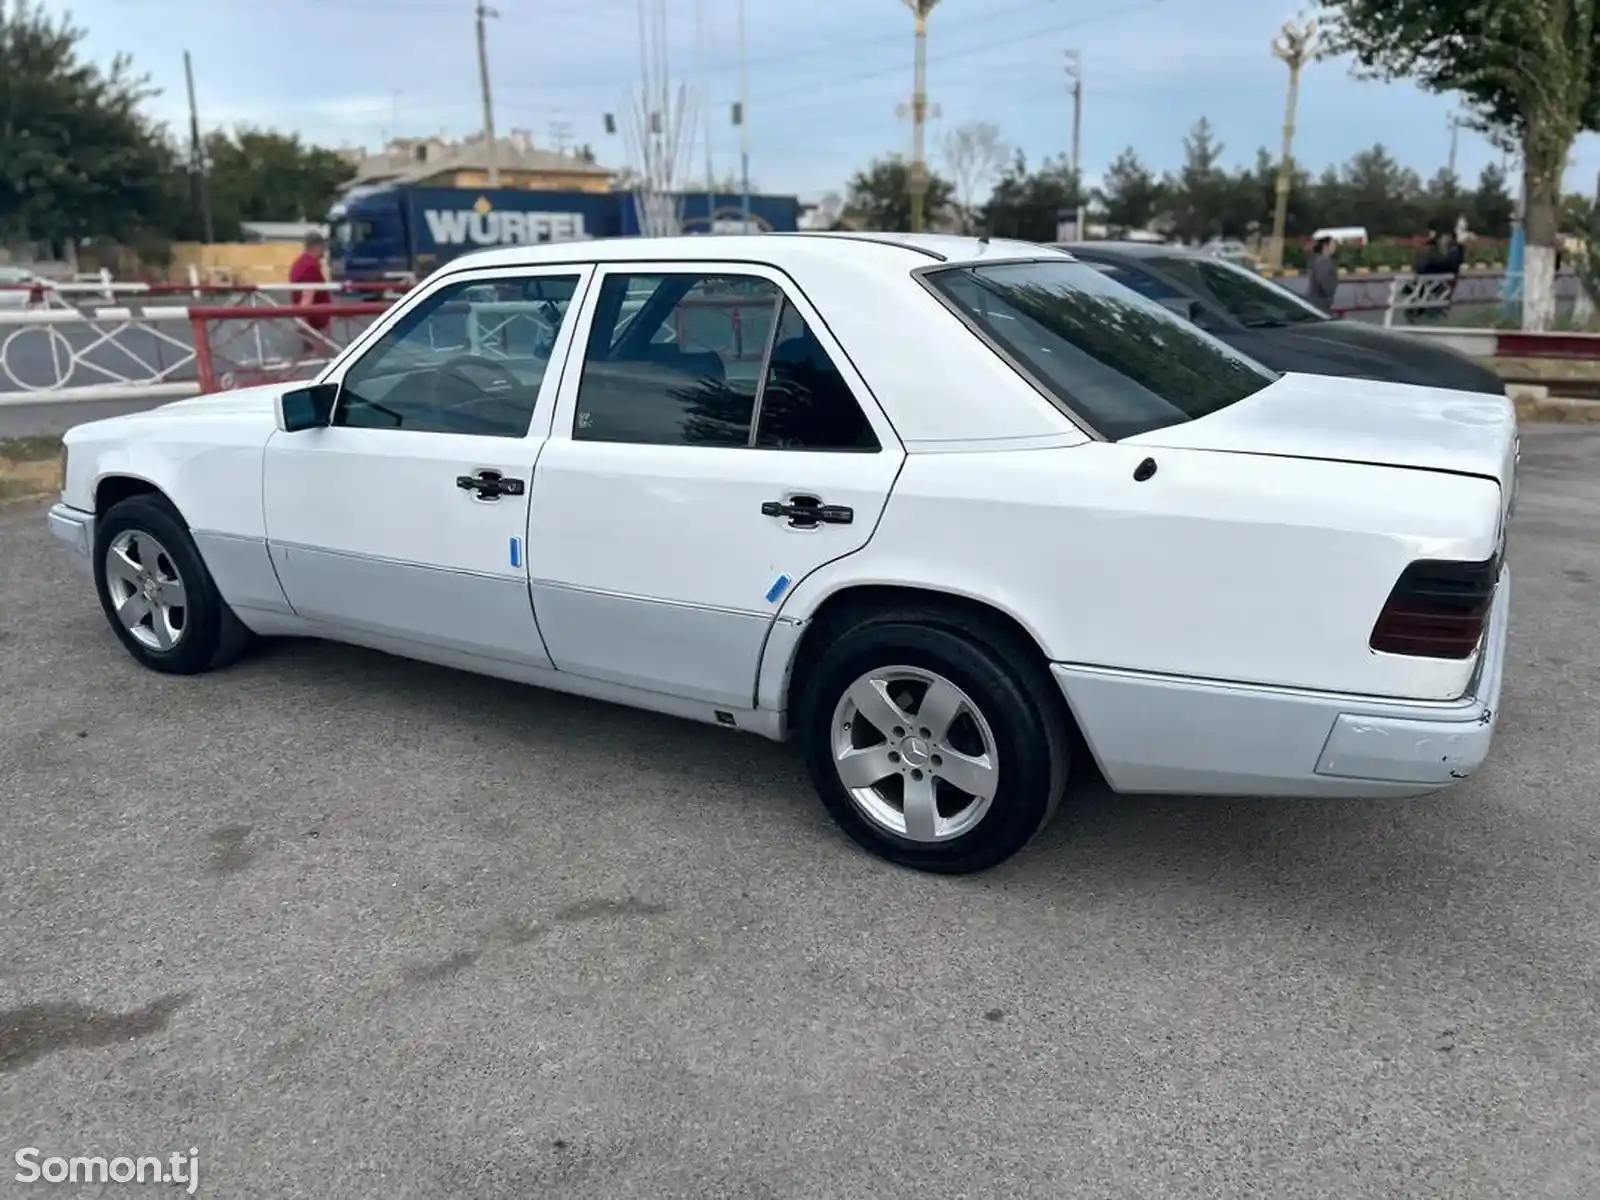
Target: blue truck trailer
[{"x": 405, "y": 232}]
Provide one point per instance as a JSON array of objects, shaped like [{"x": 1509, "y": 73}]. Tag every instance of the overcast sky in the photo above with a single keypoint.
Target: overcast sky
[{"x": 825, "y": 77}]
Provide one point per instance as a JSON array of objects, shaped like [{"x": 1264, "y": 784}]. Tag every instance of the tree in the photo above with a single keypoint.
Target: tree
[
  {"x": 1491, "y": 205},
  {"x": 78, "y": 157},
  {"x": 258, "y": 175},
  {"x": 1130, "y": 195},
  {"x": 1028, "y": 205},
  {"x": 1528, "y": 71},
  {"x": 878, "y": 196},
  {"x": 973, "y": 153},
  {"x": 1381, "y": 194},
  {"x": 1199, "y": 190}
]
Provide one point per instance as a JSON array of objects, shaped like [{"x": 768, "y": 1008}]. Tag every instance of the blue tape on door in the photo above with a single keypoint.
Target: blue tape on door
[
  {"x": 516, "y": 552},
  {"x": 779, "y": 586}
]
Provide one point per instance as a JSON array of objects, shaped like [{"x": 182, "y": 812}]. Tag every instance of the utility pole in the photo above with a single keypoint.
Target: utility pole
[
  {"x": 1075, "y": 74},
  {"x": 1296, "y": 45},
  {"x": 917, "y": 176},
  {"x": 1455, "y": 129},
  {"x": 744, "y": 132},
  {"x": 484, "y": 13},
  {"x": 197, "y": 154}
]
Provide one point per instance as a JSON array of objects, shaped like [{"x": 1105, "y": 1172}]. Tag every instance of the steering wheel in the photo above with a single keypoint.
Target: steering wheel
[{"x": 493, "y": 365}]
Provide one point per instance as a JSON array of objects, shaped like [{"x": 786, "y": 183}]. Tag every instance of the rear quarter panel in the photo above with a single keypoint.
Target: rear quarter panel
[{"x": 1232, "y": 567}]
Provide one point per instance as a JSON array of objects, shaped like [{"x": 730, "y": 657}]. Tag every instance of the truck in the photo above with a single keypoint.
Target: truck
[{"x": 403, "y": 232}]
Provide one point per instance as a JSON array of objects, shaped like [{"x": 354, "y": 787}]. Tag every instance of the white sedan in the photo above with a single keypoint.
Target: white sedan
[{"x": 958, "y": 515}]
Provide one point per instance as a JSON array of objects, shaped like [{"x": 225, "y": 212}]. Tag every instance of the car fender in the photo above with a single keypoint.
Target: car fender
[{"x": 207, "y": 463}]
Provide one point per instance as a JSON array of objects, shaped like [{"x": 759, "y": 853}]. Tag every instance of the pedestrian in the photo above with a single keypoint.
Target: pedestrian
[
  {"x": 1324, "y": 273},
  {"x": 308, "y": 269},
  {"x": 1437, "y": 268}
]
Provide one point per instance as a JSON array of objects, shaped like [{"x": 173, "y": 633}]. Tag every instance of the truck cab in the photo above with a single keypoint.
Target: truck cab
[{"x": 368, "y": 239}]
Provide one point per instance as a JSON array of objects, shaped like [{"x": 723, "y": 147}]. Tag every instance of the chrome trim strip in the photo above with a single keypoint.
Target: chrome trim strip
[
  {"x": 638, "y": 599},
  {"x": 384, "y": 560}
]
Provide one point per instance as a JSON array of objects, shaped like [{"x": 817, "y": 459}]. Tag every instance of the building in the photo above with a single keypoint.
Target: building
[{"x": 440, "y": 162}]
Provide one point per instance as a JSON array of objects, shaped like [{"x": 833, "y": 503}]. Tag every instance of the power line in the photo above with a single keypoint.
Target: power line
[{"x": 831, "y": 82}]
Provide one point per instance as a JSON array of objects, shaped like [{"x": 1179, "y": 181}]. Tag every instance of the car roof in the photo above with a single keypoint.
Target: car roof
[
  {"x": 904, "y": 250},
  {"x": 1131, "y": 249}
]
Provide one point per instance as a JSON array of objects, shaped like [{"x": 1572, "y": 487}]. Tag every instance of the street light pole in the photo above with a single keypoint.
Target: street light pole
[
  {"x": 1296, "y": 45},
  {"x": 1075, "y": 74},
  {"x": 917, "y": 176},
  {"x": 483, "y": 13},
  {"x": 744, "y": 135}
]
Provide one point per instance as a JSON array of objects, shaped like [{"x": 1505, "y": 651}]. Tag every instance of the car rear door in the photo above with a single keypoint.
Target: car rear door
[{"x": 712, "y": 448}]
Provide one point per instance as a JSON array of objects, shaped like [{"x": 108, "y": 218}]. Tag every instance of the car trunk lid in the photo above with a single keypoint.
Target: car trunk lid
[{"x": 1342, "y": 420}]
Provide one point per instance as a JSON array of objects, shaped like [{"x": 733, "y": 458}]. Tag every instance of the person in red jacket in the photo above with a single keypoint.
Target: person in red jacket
[{"x": 308, "y": 269}]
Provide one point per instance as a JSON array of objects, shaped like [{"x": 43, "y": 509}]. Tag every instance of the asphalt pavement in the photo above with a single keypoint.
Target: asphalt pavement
[{"x": 351, "y": 926}]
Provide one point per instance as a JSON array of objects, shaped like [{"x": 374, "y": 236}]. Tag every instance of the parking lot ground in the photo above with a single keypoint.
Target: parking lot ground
[{"x": 351, "y": 926}]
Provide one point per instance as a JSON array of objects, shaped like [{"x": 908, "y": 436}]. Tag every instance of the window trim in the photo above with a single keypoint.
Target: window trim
[
  {"x": 560, "y": 353},
  {"x": 923, "y": 276},
  {"x": 565, "y": 412}
]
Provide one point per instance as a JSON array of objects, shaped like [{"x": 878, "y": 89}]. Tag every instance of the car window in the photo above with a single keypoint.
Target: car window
[
  {"x": 675, "y": 359},
  {"x": 1122, "y": 363},
  {"x": 470, "y": 358},
  {"x": 1248, "y": 298},
  {"x": 1145, "y": 284},
  {"x": 806, "y": 403}
]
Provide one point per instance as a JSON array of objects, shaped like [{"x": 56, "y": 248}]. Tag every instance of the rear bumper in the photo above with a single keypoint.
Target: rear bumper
[
  {"x": 74, "y": 529},
  {"x": 1159, "y": 734}
]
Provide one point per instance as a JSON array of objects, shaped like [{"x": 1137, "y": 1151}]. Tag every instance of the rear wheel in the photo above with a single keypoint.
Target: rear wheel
[
  {"x": 157, "y": 593},
  {"x": 931, "y": 746}
]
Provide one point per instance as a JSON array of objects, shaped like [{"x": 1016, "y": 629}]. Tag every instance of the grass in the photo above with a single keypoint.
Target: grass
[{"x": 29, "y": 468}]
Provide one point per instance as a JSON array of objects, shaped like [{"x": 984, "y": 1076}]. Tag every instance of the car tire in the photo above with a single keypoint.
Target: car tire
[
  {"x": 1012, "y": 743},
  {"x": 144, "y": 560}
]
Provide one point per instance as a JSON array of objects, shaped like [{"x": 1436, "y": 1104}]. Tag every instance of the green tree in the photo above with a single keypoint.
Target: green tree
[
  {"x": 1028, "y": 204},
  {"x": 878, "y": 198},
  {"x": 78, "y": 157},
  {"x": 1527, "y": 69},
  {"x": 1381, "y": 194},
  {"x": 1490, "y": 207},
  {"x": 259, "y": 175},
  {"x": 1199, "y": 191},
  {"x": 1130, "y": 196}
]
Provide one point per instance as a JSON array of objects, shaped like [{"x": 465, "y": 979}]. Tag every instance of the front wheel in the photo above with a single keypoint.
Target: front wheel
[
  {"x": 931, "y": 747},
  {"x": 157, "y": 593}
]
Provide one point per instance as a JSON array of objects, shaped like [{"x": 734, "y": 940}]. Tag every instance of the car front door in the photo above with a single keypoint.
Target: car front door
[
  {"x": 406, "y": 516},
  {"x": 711, "y": 449}
]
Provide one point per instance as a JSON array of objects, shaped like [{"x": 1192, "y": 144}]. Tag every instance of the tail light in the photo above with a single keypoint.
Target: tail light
[{"x": 1437, "y": 609}]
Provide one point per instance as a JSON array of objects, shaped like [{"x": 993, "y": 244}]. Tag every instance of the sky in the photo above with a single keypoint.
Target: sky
[{"x": 828, "y": 80}]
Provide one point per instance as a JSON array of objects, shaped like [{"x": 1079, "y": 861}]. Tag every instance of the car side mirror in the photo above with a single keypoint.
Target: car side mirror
[{"x": 307, "y": 407}]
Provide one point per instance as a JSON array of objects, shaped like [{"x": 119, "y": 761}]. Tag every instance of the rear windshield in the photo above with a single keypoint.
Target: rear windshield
[
  {"x": 1123, "y": 364},
  {"x": 1254, "y": 302}
]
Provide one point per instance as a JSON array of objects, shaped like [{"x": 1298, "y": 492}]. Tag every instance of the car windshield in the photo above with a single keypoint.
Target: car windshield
[
  {"x": 1122, "y": 363},
  {"x": 1254, "y": 302}
]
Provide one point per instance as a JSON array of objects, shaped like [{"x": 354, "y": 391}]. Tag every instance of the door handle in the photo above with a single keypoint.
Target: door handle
[
  {"x": 489, "y": 485},
  {"x": 807, "y": 512}
]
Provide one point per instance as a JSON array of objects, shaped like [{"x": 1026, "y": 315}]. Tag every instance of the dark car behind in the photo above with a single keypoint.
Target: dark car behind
[{"x": 1276, "y": 327}]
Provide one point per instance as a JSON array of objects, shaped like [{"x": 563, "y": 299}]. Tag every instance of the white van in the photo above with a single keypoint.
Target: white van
[{"x": 1343, "y": 235}]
